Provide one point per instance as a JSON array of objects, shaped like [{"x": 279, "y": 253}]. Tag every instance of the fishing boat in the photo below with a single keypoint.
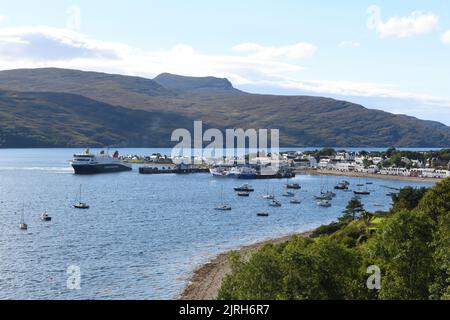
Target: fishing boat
[
  {"x": 22, "y": 224},
  {"x": 274, "y": 203},
  {"x": 221, "y": 170},
  {"x": 324, "y": 203},
  {"x": 293, "y": 186},
  {"x": 295, "y": 201},
  {"x": 45, "y": 217},
  {"x": 223, "y": 206},
  {"x": 247, "y": 173},
  {"x": 79, "y": 204},
  {"x": 245, "y": 188}
]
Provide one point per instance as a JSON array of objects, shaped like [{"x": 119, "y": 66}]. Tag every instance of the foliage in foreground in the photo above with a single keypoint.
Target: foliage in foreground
[{"x": 411, "y": 247}]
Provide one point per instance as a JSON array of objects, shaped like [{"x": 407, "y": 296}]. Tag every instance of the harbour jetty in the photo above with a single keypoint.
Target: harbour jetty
[{"x": 176, "y": 169}]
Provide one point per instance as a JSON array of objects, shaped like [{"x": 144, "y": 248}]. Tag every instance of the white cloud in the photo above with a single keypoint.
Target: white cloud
[
  {"x": 49, "y": 44},
  {"x": 25, "y": 47},
  {"x": 296, "y": 51},
  {"x": 2, "y": 18},
  {"x": 416, "y": 23},
  {"x": 353, "y": 44},
  {"x": 248, "y": 64},
  {"x": 446, "y": 37}
]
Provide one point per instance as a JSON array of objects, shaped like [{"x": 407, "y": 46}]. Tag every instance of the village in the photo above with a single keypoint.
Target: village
[
  {"x": 366, "y": 163},
  {"x": 389, "y": 163}
]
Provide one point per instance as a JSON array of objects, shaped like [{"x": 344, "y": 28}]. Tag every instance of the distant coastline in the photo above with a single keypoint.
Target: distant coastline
[{"x": 365, "y": 175}]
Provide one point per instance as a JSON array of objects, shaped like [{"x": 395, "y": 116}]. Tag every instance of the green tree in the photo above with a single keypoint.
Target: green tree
[
  {"x": 440, "y": 289},
  {"x": 401, "y": 248},
  {"x": 353, "y": 207},
  {"x": 408, "y": 198},
  {"x": 390, "y": 152},
  {"x": 436, "y": 201}
]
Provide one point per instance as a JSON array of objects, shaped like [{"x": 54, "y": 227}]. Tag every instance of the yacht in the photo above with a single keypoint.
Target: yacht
[
  {"x": 362, "y": 192},
  {"x": 323, "y": 196},
  {"x": 288, "y": 194},
  {"x": 22, "y": 224},
  {"x": 88, "y": 163},
  {"x": 293, "y": 186},
  {"x": 79, "y": 204},
  {"x": 295, "y": 201},
  {"x": 223, "y": 206}
]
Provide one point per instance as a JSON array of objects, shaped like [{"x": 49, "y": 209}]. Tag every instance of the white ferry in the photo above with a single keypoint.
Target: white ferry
[{"x": 88, "y": 163}]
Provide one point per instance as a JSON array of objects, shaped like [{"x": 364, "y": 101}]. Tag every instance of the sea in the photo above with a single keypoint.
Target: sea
[{"x": 143, "y": 235}]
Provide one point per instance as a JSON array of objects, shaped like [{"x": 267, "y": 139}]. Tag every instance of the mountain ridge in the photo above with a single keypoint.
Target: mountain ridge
[{"x": 302, "y": 120}]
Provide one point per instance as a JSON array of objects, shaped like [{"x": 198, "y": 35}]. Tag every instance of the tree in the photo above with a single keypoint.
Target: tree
[
  {"x": 353, "y": 207},
  {"x": 436, "y": 202},
  {"x": 408, "y": 198},
  {"x": 390, "y": 152},
  {"x": 401, "y": 248},
  {"x": 326, "y": 152}
]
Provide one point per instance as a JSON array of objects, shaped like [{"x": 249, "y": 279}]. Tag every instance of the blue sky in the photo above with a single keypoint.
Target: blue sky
[{"x": 390, "y": 55}]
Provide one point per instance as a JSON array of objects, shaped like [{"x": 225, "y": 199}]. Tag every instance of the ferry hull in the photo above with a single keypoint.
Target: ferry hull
[{"x": 99, "y": 168}]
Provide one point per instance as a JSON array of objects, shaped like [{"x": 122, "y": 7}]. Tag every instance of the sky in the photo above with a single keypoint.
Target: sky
[{"x": 388, "y": 55}]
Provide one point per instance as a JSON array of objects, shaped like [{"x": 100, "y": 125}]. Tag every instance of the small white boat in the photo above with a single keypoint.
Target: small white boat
[
  {"x": 45, "y": 217},
  {"x": 295, "y": 201},
  {"x": 274, "y": 203},
  {"x": 269, "y": 196},
  {"x": 324, "y": 203},
  {"x": 288, "y": 194}
]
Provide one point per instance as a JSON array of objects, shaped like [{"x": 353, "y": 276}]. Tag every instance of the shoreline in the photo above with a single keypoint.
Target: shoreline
[
  {"x": 205, "y": 281},
  {"x": 352, "y": 174}
]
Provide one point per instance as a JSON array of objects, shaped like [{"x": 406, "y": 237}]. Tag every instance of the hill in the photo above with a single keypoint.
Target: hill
[
  {"x": 302, "y": 120},
  {"x": 63, "y": 120}
]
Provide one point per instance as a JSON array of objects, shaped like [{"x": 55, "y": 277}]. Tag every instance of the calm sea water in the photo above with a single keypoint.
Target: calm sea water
[{"x": 144, "y": 234}]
